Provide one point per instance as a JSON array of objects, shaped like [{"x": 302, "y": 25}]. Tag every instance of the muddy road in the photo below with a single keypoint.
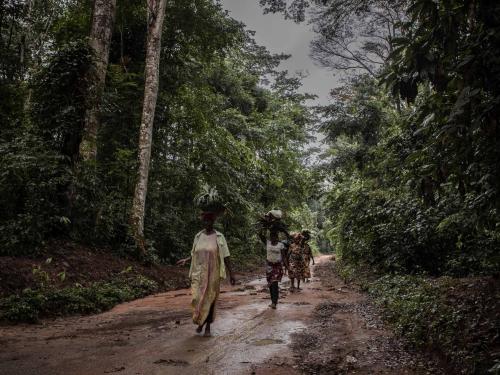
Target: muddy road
[{"x": 324, "y": 329}]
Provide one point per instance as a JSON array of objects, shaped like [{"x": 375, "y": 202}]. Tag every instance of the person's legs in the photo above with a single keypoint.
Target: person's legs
[
  {"x": 274, "y": 293},
  {"x": 209, "y": 320},
  {"x": 207, "y": 333},
  {"x": 298, "y": 284},
  {"x": 292, "y": 281}
]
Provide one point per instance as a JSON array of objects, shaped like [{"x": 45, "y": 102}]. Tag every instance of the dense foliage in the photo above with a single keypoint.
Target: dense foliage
[
  {"x": 412, "y": 179},
  {"x": 411, "y": 175},
  {"x": 407, "y": 187},
  {"x": 455, "y": 318},
  {"x": 413, "y": 163},
  {"x": 225, "y": 117}
]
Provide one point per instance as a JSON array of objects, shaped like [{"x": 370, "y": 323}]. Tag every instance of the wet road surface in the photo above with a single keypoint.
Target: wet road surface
[{"x": 155, "y": 335}]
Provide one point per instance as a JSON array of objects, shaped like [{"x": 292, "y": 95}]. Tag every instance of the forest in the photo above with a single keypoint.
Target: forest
[{"x": 115, "y": 115}]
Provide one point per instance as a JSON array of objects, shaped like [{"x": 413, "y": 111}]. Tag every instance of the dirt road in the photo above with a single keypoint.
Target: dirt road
[{"x": 324, "y": 329}]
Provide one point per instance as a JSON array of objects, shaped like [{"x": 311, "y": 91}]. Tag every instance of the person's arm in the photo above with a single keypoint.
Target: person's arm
[
  {"x": 311, "y": 255},
  {"x": 288, "y": 237},
  {"x": 227, "y": 262},
  {"x": 284, "y": 256},
  {"x": 281, "y": 226},
  {"x": 287, "y": 248},
  {"x": 183, "y": 262},
  {"x": 262, "y": 236},
  {"x": 224, "y": 253}
]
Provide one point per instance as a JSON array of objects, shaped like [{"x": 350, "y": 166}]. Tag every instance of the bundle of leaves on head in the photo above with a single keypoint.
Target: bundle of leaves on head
[
  {"x": 209, "y": 200},
  {"x": 272, "y": 221}
]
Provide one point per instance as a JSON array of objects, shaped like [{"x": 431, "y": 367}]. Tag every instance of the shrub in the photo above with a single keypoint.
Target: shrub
[
  {"x": 454, "y": 317},
  {"x": 31, "y": 305}
]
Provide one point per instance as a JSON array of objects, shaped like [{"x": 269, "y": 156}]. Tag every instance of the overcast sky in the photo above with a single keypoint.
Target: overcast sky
[{"x": 284, "y": 36}]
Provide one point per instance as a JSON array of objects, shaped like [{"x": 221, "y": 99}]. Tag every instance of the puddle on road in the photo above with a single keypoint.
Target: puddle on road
[{"x": 154, "y": 335}]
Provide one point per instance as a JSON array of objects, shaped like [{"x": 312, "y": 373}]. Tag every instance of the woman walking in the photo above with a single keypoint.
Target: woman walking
[
  {"x": 308, "y": 255},
  {"x": 209, "y": 260},
  {"x": 296, "y": 261},
  {"x": 275, "y": 260}
]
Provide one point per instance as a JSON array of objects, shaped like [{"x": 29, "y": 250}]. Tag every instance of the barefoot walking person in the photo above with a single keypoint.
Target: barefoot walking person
[
  {"x": 308, "y": 255},
  {"x": 295, "y": 261},
  {"x": 275, "y": 260},
  {"x": 209, "y": 260}
]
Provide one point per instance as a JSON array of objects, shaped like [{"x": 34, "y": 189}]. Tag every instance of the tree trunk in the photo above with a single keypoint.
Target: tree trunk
[
  {"x": 156, "y": 15},
  {"x": 103, "y": 17}
]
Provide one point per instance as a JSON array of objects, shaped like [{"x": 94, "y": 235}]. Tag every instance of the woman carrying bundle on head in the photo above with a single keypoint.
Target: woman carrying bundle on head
[
  {"x": 276, "y": 251},
  {"x": 276, "y": 259},
  {"x": 272, "y": 220},
  {"x": 209, "y": 260}
]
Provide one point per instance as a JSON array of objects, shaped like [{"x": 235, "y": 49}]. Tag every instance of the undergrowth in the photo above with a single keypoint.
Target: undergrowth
[
  {"x": 33, "y": 304},
  {"x": 457, "y": 318}
]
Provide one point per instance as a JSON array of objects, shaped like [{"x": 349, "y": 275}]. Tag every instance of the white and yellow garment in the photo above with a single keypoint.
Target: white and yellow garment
[{"x": 207, "y": 269}]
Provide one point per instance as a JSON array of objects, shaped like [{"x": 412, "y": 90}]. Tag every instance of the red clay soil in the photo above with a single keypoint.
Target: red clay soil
[
  {"x": 82, "y": 265},
  {"x": 346, "y": 335},
  {"x": 324, "y": 329}
]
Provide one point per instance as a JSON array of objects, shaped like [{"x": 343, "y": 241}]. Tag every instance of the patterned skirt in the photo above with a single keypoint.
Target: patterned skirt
[
  {"x": 274, "y": 272},
  {"x": 297, "y": 266},
  {"x": 307, "y": 268},
  {"x": 307, "y": 272}
]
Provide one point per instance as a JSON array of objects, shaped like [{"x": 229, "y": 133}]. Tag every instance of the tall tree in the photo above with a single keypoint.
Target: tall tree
[
  {"x": 103, "y": 17},
  {"x": 355, "y": 36},
  {"x": 352, "y": 36},
  {"x": 155, "y": 17}
]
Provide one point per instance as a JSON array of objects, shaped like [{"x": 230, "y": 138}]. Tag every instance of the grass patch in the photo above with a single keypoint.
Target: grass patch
[{"x": 32, "y": 304}]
